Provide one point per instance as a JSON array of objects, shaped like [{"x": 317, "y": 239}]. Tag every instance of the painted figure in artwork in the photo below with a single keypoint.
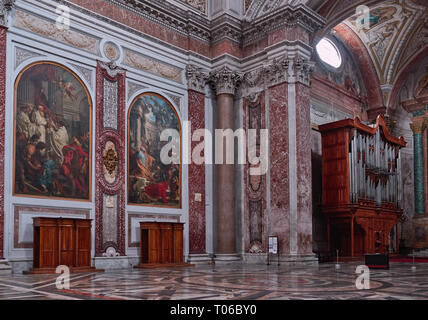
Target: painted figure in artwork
[
  {"x": 52, "y": 106},
  {"x": 151, "y": 182}
]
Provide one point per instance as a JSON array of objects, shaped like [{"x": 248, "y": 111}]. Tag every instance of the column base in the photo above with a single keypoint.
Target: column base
[
  {"x": 5, "y": 268},
  {"x": 197, "y": 259},
  {"x": 115, "y": 263},
  {"x": 295, "y": 259},
  {"x": 227, "y": 258}
]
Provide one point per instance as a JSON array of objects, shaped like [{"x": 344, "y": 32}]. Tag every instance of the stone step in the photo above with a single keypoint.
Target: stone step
[
  {"x": 5, "y": 268},
  {"x": 421, "y": 253}
]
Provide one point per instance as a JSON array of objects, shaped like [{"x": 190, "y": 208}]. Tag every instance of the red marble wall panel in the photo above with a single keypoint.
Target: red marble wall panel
[
  {"x": 118, "y": 137},
  {"x": 3, "y": 32},
  {"x": 330, "y": 93},
  {"x": 255, "y": 47},
  {"x": 228, "y": 47},
  {"x": 304, "y": 169},
  {"x": 255, "y": 222},
  {"x": 279, "y": 218},
  {"x": 290, "y": 34},
  {"x": 197, "y": 217}
]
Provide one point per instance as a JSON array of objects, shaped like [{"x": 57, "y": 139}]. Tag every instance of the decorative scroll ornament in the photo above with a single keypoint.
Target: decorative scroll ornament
[
  {"x": 112, "y": 69},
  {"x": 225, "y": 80},
  {"x": 196, "y": 77},
  {"x": 110, "y": 252},
  {"x": 5, "y": 7}
]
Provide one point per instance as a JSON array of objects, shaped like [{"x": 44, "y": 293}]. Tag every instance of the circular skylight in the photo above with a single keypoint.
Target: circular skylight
[{"x": 329, "y": 53}]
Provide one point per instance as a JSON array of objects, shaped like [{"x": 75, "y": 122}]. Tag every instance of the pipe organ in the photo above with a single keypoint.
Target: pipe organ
[{"x": 362, "y": 186}]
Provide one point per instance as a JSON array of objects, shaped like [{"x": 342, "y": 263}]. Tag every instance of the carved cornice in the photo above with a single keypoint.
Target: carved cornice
[
  {"x": 288, "y": 16},
  {"x": 197, "y": 78},
  {"x": 168, "y": 15},
  {"x": 5, "y": 7},
  {"x": 226, "y": 27},
  {"x": 225, "y": 80}
]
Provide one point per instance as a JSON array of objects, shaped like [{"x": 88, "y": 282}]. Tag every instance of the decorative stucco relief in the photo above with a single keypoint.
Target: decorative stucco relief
[
  {"x": 48, "y": 29},
  {"x": 22, "y": 54},
  {"x": 145, "y": 63}
]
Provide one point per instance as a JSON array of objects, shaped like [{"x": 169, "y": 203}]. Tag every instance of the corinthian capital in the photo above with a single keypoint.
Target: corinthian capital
[
  {"x": 225, "y": 80},
  {"x": 277, "y": 71},
  {"x": 303, "y": 70},
  {"x": 197, "y": 78},
  {"x": 417, "y": 126},
  {"x": 5, "y": 7}
]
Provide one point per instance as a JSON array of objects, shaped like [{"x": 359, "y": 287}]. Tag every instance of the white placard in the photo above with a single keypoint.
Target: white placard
[{"x": 273, "y": 245}]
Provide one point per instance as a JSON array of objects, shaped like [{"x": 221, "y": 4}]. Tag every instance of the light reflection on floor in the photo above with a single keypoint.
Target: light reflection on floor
[{"x": 230, "y": 282}]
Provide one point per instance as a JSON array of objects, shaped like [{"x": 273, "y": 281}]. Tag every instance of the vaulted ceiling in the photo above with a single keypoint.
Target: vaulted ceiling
[{"x": 395, "y": 39}]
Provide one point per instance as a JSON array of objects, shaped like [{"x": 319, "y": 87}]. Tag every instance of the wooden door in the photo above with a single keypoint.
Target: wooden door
[
  {"x": 178, "y": 243},
  {"x": 48, "y": 244},
  {"x": 83, "y": 243},
  {"x": 155, "y": 245},
  {"x": 67, "y": 242},
  {"x": 167, "y": 247}
]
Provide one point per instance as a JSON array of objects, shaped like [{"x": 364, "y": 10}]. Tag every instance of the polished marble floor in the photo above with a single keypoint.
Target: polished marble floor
[{"x": 230, "y": 282}]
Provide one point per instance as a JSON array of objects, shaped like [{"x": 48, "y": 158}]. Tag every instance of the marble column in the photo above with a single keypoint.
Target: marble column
[
  {"x": 225, "y": 82},
  {"x": 418, "y": 129},
  {"x": 196, "y": 81}
]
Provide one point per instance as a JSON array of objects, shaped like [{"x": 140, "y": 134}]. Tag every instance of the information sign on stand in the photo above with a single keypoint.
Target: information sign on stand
[{"x": 273, "y": 248}]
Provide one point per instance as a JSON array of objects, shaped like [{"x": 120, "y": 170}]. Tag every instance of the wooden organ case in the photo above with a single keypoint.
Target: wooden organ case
[{"x": 362, "y": 186}]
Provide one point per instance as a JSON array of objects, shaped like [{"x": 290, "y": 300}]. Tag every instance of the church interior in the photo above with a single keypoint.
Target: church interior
[{"x": 295, "y": 134}]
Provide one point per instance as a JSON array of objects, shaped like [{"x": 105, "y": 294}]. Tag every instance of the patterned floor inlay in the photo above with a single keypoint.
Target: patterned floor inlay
[{"x": 232, "y": 282}]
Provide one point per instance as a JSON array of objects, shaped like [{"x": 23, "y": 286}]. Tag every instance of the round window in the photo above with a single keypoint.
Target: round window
[{"x": 329, "y": 53}]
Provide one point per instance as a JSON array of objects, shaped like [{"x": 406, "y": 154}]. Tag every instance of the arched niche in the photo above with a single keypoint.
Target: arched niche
[
  {"x": 52, "y": 133},
  {"x": 152, "y": 181}
]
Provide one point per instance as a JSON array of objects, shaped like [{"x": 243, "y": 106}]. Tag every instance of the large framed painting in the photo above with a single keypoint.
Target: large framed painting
[
  {"x": 152, "y": 181},
  {"x": 52, "y": 134}
]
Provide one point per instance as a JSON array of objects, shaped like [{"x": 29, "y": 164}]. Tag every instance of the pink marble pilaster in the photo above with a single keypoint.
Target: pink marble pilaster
[
  {"x": 255, "y": 235},
  {"x": 304, "y": 169},
  {"x": 118, "y": 137},
  {"x": 279, "y": 218},
  {"x": 197, "y": 218},
  {"x": 3, "y": 32}
]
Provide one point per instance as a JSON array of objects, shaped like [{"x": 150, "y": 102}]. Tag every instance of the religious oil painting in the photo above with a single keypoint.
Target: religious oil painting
[
  {"x": 52, "y": 134},
  {"x": 151, "y": 181}
]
